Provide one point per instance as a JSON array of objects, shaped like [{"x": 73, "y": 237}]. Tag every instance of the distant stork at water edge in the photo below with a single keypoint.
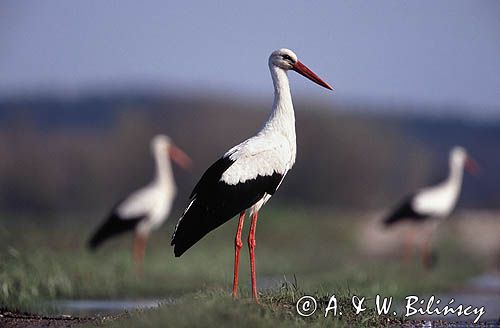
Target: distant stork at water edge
[
  {"x": 247, "y": 175},
  {"x": 434, "y": 203},
  {"x": 147, "y": 208}
]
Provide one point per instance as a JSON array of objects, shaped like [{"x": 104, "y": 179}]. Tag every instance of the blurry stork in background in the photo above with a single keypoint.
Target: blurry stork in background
[
  {"x": 248, "y": 174},
  {"x": 434, "y": 203},
  {"x": 145, "y": 209}
]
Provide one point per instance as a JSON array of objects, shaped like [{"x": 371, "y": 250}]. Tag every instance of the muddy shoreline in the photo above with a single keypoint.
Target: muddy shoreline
[{"x": 11, "y": 319}]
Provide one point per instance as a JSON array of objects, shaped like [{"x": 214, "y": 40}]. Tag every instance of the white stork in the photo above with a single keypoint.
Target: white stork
[
  {"x": 147, "y": 208},
  {"x": 437, "y": 202},
  {"x": 248, "y": 174}
]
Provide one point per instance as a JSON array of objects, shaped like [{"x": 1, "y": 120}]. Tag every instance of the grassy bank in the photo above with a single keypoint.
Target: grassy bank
[{"x": 315, "y": 250}]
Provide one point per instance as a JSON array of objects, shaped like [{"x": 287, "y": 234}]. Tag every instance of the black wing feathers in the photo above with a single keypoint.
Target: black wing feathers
[
  {"x": 211, "y": 176},
  {"x": 114, "y": 225},
  {"x": 215, "y": 202},
  {"x": 404, "y": 211}
]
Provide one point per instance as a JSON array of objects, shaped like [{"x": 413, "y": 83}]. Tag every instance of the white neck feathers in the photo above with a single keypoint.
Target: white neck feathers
[
  {"x": 164, "y": 174},
  {"x": 455, "y": 176},
  {"x": 282, "y": 117}
]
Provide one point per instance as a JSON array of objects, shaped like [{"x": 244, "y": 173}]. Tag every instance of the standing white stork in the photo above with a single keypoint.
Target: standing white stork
[
  {"x": 147, "y": 208},
  {"x": 434, "y": 203},
  {"x": 249, "y": 173}
]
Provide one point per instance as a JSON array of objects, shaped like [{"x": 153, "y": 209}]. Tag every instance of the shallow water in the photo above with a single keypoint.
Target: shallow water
[
  {"x": 488, "y": 282},
  {"x": 481, "y": 291},
  {"x": 89, "y": 307},
  {"x": 95, "y": 307}
]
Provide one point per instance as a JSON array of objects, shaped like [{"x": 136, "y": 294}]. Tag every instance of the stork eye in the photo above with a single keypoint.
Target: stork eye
[{"x": 286, "y": 57}]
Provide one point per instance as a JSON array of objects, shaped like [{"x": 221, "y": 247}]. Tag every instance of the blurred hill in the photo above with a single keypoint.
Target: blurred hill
[{"x": 84, "y": 153}]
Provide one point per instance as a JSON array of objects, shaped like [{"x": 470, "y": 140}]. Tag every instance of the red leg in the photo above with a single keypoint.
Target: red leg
[
  {"x": 426, "y": 254},
  {"x": 139, "y": 250},
  {"x": 237, "y": 247},
  {"x": 251, "y": 248},
  {"x": 408, "y": 248}
]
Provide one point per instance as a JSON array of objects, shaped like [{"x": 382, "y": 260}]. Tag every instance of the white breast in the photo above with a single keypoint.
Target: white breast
[
  {"x": 137, "y": 204},
  {"x": 437, "y": 201},
  {"x": 152, "y": 202},
  {"x": 261, "y": 155}
]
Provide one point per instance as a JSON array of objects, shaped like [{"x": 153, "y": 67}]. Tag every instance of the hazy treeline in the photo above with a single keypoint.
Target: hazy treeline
[{"x": 85, "y": 154}]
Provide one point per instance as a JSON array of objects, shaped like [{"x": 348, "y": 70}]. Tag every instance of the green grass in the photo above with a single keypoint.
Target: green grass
[
  {"x": 315, "y": 250},
  {"x": 217, "y": 309}
]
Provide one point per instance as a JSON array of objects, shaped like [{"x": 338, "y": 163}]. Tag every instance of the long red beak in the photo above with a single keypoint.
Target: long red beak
[
  {"x": 304, "y": 71},
  {"x": 179, "y": 157},
  {"x": 471, "y": 166}
]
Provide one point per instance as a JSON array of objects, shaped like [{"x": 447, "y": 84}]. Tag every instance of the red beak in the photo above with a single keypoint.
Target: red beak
[
  {"x": 179, "y": 157},
  {"x": 471, "y": 166},
  {"x": 304, "y": 71}
]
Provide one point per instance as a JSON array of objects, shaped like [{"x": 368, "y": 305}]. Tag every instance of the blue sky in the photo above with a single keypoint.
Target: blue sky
[{"x": 424, "y": 52}]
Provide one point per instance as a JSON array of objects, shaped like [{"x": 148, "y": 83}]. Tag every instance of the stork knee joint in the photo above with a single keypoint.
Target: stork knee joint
[{"x": 238, "y": 243}]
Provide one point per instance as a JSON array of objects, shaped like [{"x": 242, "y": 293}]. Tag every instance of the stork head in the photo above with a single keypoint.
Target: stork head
[
  {"x": 459, "y": 156},
  {"x": 286, "y": 59},
  {"x": 163, "y": 145}
]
